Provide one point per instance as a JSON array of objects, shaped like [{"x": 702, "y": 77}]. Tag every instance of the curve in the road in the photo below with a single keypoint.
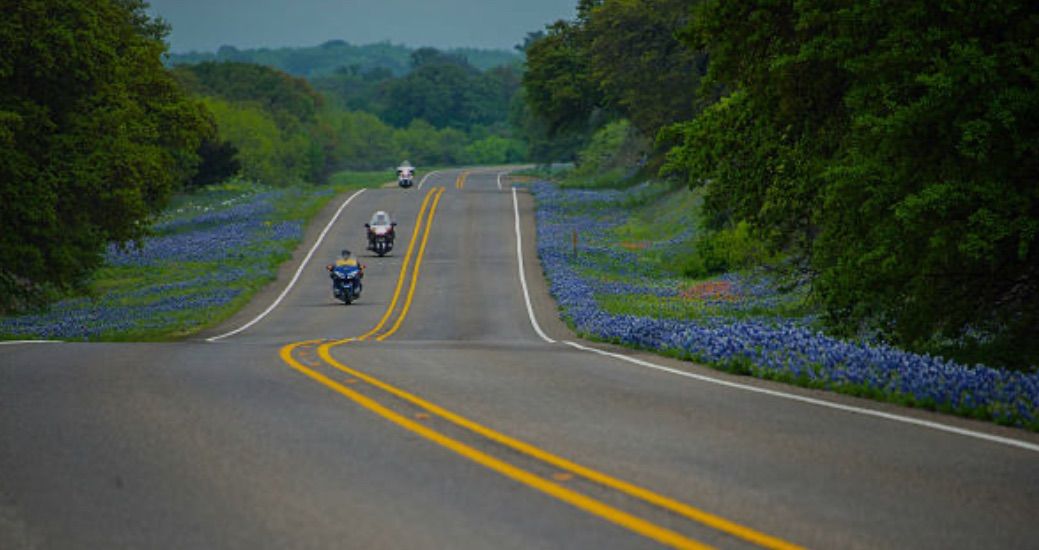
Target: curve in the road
[
  {"x": 408, "y": 256},
  {"x": 295, "y": 276},
  {"x": 580, "y": 500},
  {"x": 570, "y": 496},
  {"x": 415, "y": 271}
]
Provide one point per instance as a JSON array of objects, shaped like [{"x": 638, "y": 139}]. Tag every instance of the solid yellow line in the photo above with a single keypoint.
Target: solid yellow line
[
  {"x": 415, "y": 272},
  {"x": 646, "y": 495},
  {"x": 460, "y": 180},
  {"x": 695, "y": 514},
  {"x": 404, "y": 266},
  {"x": 581, "y": 501}
]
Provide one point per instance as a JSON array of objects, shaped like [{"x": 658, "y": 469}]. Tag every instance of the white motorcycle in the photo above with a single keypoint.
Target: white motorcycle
[
  {"x": 381, "y": 233},
  {"x": 405, "y": 175}
]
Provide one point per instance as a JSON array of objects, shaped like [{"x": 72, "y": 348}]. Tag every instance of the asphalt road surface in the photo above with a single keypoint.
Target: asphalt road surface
[{"x": 433, "y": 414}]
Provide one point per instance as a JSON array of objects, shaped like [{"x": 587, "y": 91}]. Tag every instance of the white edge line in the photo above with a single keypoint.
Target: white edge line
[
  {"x": 423, "y": 180},
  {"x": 13, "y": 342},
  {"x": 523, "y": 278},
  {"x": 295, "y": 277},
  {"x": 819, "y": 402},
  {"x": 764, "y": 391}
]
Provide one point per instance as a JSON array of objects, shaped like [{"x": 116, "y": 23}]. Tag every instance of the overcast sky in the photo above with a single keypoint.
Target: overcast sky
[{"x": 205, "y": 25}]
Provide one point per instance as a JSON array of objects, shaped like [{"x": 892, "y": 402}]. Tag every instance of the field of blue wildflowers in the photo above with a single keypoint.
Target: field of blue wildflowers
[
  {"x": 210, "y": 252},
  {"x": 629, "y": 292}
]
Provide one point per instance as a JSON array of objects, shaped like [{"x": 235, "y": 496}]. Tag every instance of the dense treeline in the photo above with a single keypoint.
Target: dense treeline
[
  {"x": 283, "y": 129},
  {"x": 333, "y": 55},
  {"x": 94, "y": 136},
  {"x": 616, "y": 60},
  {"x": 96, "y": 133},
  {"x": 442, "y": 89},
  {"x": 268, "y": 121},
  {"x": 887, "y": 152},
  {"x": 620, "y": 57}
]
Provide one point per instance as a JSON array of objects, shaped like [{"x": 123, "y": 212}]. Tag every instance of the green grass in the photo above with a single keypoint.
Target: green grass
[
  {"x": 661, "y": 234},
  {"x": 546, "y": 172},
  {"x": 677, "y": 307},
  {"x": 134, "y": 287},
  {"x": 666, "y": 213},
  {"x": 305, "y": 202},
  {"x": 347, "y": 179}
]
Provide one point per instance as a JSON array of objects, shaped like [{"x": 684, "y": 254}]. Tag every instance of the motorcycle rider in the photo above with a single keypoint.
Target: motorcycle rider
[
  {"x": 405, "y": 172},
  {"x": 380, "y": 219},
  {"x": 345, "y": 258}
]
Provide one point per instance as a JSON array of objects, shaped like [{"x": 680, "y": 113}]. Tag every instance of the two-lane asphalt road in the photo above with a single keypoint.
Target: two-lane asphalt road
[{"x": 432, "y": 414}]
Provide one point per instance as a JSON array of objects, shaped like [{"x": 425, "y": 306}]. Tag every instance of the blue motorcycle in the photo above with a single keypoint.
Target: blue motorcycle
[{"x": 346, "y": 282}]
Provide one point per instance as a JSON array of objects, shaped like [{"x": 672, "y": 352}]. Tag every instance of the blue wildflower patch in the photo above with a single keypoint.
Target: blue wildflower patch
[
  {"x": 741, "y": 322},
  {"x": 209, "y": 252}
]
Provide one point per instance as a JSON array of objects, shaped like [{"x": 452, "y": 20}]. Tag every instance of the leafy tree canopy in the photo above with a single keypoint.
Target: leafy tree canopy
[
  {"x": 618, "y": 59},
  {"x": 94, "y": 136},
  {"x": 290, "y": 99},
  {"x": 893, "y": 147}
]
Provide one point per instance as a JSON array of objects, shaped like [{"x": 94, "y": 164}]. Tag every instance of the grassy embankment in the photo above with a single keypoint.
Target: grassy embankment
[
  {"x": 637, "y": 279},
  {"x": 211, "y": 251}
]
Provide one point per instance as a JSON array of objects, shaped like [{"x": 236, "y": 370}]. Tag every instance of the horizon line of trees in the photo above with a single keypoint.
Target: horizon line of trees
[
  {"x": 312, "y": 62},
  {"x": 286, "y": 129}
]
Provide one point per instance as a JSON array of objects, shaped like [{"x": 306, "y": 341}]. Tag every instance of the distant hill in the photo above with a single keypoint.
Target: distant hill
[{"x": 325, "y": 59}]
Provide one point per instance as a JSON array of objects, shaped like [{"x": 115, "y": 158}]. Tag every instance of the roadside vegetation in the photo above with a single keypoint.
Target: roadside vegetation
[
  {"x": 879, "y": 158},
  {"x": 861, "y": 176},
  {"x": 837, "y": 210},
  {"x": 210, "y": 251},
  {"x": 628, "y": 282},
  {"x": 97, "y": 136}
]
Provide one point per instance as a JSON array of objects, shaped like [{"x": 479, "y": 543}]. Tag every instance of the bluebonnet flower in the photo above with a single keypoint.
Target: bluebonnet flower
[
  {"x": 766, "y": 346},
  {"x": 201, "y": 258}
]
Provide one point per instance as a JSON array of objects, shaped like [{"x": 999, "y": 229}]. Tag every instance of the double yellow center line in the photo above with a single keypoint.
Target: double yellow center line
[
  {"x": 663, "y": 535},
  {"x": 431, "y": 200},
  {"x": 460, "y": 180}
]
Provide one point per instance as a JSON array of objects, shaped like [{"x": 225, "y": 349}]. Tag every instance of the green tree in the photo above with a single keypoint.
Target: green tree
[
  {"x": 617, "y": 59},
  {"x": 256, "y": 137},
  {"x": 533, "y": 130},
  {"x": 493, "y": 150},
  {"x": 612, "y": 149},
  {"x": 253, "y": 94},
  {"x": 891, "y": 147},
  {"x": 558, "y": 84},
  {"x": 363, "y": 141},
  {"x": 94, "y": 136},
  {"x": 356, "y": 89},
  {"x": 219, "y": 161},
  {"x": 641, "y": 67},
  {"x": 289, "y": 99},
  {"x": 446, "y": 91}
]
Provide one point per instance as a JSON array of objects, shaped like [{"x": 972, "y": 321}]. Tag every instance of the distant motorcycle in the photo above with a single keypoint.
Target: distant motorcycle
[
  {"x": 405, "y": 175},
  {"x": 346, "y": 282},
  {"x": 381, "y": 233},
  {"x": 406, "y": 180}
]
